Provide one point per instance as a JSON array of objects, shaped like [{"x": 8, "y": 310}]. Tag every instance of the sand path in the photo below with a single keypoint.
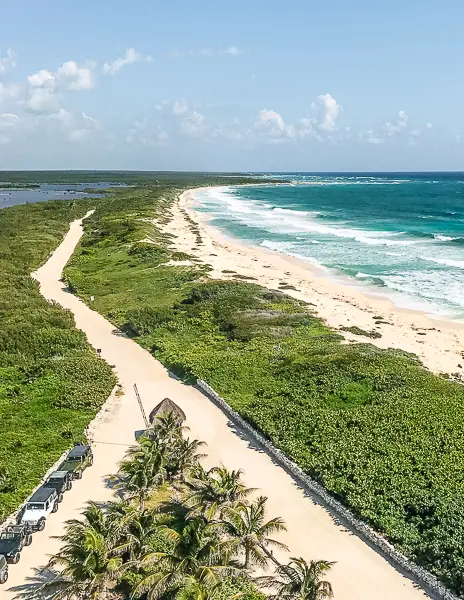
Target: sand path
[{"x": 360, "y": 573}]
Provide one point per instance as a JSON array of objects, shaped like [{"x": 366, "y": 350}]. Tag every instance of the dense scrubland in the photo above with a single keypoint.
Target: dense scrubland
[
  {"x": 51, "y": 381},
  {"x": 381, "y": 433}
]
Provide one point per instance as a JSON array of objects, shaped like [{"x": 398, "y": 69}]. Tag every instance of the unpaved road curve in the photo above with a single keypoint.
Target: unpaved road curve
[{"x": 360, "y": 573}]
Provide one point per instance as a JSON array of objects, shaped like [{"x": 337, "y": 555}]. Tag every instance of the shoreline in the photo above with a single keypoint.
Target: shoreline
[
  {"x": 434, "y": 340},
  {"x": 360, "y": 571}
]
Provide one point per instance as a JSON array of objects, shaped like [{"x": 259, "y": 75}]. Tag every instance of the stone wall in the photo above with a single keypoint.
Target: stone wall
[{"x": 419, "y": 575}]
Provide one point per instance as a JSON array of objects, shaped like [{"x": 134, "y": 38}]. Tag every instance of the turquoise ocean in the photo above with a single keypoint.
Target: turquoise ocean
[{"x": 400, "y": 234}]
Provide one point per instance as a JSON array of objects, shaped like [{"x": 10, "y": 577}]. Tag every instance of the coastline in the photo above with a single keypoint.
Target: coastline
[
  {"x": 434, "y": 340},
  {"x": 360, "y": 571}
]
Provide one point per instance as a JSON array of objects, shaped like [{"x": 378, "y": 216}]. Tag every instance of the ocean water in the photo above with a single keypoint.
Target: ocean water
[{"x": 400, "y": 234}]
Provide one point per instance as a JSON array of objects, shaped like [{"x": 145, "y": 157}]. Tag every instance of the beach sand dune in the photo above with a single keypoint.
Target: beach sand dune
[
  {"x": 359, "y": 574},
  {"x": 438, "y": 343}
]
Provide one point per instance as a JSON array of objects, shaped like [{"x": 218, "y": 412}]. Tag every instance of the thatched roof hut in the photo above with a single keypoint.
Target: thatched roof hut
[{"x": 165, "y": 407}]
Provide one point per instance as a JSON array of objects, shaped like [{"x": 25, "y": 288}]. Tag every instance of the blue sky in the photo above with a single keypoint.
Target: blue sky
[{"x": 214, "y": 85}]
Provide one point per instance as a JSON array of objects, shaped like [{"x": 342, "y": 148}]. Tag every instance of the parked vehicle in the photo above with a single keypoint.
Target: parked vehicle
[
  {"x": 78, "y": 459},
  {"x": 61, "y": 481},
  {"x": 3, "y": 569},
  {"x": 12, "y": 540},
  {"x": 43, "y": 502}
]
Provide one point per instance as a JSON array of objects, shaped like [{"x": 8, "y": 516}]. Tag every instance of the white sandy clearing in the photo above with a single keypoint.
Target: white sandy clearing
[
  {"x": 360, "y": 573},
  {"x": 438, "y": 343}
]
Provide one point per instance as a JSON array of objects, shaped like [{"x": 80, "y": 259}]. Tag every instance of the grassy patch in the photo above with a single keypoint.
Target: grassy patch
[{"x": 358, "y": 331}]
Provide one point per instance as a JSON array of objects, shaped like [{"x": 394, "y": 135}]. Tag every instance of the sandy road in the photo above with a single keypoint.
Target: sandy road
[{"x": 360, "y": 573}]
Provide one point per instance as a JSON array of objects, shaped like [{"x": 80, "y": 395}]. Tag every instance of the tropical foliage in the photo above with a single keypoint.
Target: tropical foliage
[
  {"x": 380, "y": 432},
  {"x": 171, "y": 549},
  {"x": 51, "y": 381}
]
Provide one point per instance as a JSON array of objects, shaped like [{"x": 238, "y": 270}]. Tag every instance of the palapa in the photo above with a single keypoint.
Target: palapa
[{"x": 165, "y": 407}]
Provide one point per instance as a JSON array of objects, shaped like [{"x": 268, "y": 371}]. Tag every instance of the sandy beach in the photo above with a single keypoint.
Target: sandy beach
[
  {"x": 439, "y": 343},
  {"x": 360, "y": 573}
]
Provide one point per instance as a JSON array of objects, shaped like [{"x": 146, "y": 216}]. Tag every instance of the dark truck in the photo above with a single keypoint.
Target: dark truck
[
  {"x": 61, "y": 481},
  {"x": 3, "y": 569},
  {"x": 78, "y": 459},
  {"x": 12, "y": 541}
]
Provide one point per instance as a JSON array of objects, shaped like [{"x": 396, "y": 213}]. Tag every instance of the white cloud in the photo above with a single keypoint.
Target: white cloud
[
  {"x": 77, "y": 78},
  {"x": 193, "y": 124},
  {"x": 180, "y": 107},
  {"x": 7, "y": 61},
  {"x": 8, "y": 92},
  {"x": 42, "y": 101},
  {"x": 8, "y": 121},
  {"x": 63, "y": 116},
  {"x": 330, "y": 111},
  {"x": 76, "y": 128},
  {"x": 80, "y": 135},
  {"x": 42, "y": 79},
  {"x": 89, "y": 119},
  {"x": 428, "y": 125},
  {"x": 371, "y": 138},
  {"x": 131, "y": 56},
  {"x": 231, "y": 51},
  {"x": 398, "y": 126},
  {"x": 270, "y": 117},
  {"x": 44, "y": 88},
  {"x": 229, "y": 132},
  {"x": 458, "y": 138}
]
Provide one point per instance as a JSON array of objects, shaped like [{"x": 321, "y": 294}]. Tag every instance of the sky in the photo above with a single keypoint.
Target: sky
[{"x": 261, "y": 85}]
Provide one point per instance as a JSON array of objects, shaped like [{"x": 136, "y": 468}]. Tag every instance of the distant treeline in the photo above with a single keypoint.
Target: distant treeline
[{"x": 19, "y": 186}]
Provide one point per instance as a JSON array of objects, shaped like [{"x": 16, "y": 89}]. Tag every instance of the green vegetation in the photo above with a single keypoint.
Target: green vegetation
[
  {"x": 19, "y": 186},
  {"x": 358, "y": 331},
  {"x": 51, "y": 382},
  {"x": 381, "y": 433},
  {"x": 199, "y": 538}
]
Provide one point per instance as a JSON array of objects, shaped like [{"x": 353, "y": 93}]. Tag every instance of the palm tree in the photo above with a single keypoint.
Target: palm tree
[
  {"x": 167, "y": 427},
  {"x": 216, "y": 489},
  {"x": 183, "y": 458},
  {"x": 133, "y": 528},
  {"x": 193, "y": 590},
  {"x": 89, "y": 560},
  {"x": 250, "y": 532},
  {"x": 299, "y": 580},
  {"x": 197, "y": 555},
  {"x": 143, "y": 470}
]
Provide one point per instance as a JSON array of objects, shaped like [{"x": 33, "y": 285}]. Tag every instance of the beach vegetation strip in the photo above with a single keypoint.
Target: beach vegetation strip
[
  {"x": 51, "y": 382},
  {"x": 379, "y": 431}
]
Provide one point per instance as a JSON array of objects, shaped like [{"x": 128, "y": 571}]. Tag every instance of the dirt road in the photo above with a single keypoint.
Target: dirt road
[{"x": 360, "y": 573}]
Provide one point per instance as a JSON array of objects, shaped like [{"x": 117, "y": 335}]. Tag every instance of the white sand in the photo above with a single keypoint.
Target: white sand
[
  {"x": 439, "y": 343},
  {"x": 360, "y": 573}
]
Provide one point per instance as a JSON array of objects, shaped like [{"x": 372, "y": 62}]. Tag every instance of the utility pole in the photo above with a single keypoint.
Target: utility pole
[{"x": 142, "y": 410}]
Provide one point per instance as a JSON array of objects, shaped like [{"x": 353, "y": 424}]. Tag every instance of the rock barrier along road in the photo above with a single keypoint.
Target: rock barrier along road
[{"x": 360, "y": 573}]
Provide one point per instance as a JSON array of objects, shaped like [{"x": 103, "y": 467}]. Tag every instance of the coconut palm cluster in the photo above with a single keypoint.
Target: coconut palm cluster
[{"x": 179, "y": 531}]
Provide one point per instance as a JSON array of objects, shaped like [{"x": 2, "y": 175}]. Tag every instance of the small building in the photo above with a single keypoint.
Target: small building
[{"x": 166, "y": 407}]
